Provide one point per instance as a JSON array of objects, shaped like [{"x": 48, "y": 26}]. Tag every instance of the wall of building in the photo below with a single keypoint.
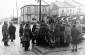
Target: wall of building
[
  {"x": 76, "y": 9},
  {"x": 32, "y": 11}
]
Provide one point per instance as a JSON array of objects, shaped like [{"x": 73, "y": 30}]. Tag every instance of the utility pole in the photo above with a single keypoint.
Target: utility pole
[
  {"x": 23, "y": 14},
  {"x": 17, "y": 10},
  {"x": 40, "y": 11},
  {"x": 13, "y": 13}
]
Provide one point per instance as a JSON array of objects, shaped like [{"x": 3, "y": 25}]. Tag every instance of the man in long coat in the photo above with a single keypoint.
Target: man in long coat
[
  {"x": 27, "y": 36},
  {"x": 5, "y": 34},
  {"x": 12, "y": 30},
  {"x": 75, "y": 37}
]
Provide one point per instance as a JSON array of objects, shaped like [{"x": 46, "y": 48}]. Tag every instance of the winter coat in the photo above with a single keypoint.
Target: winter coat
[
  {"x": 21, "y": 31},
  {"x": 12, "y": 30},
  {"x": 75, "y": 35},
  {"x": 33, "y": 29},
  {"x": 57, "y": 33},
  {"x": 27, "y": 34},
  {"x": 79, "y": 28},
  {"x": 43, "y": 31},
  {"x": 5, "y": 33},
  {"x": 67, "y": 32}
]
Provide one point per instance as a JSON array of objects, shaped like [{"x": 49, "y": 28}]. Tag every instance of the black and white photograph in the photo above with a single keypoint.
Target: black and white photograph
[{"x": 42, "y": 27}]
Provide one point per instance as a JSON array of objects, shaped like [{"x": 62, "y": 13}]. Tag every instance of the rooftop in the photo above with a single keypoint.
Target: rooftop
[
  {"x": 73, "y": 3},
  {"x": 63, "y": 4},
  {"x": 35, "y": 3}
]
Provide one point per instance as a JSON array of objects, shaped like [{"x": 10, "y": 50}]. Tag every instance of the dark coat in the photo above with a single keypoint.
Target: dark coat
[
  {"x": 27, "y": 34},
  {"x": 12, "y": 30},
  {"x": 75, "y": 35},
  {"x": 33, "y": 29},
  {"x": 21, "y": 31},
  {"x": 43, "y": 31},
  {"x": 5, "y": 33}
]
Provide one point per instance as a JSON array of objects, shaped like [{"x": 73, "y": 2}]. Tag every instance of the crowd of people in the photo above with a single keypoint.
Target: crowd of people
[{"x": 50, "y": 34}]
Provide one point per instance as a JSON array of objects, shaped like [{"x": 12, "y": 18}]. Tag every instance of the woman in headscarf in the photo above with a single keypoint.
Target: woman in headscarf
[{"x": 5, "y": 34}]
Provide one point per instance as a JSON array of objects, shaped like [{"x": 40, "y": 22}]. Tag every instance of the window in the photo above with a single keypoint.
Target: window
[
  {"x": 21, "y": 11},
  {"x": 67, "y": 10},
  {"x": 28, "y": 10},
  {"x": 70, "y": 10},
  {"x": 79, "y": 9},
  {"x": 43, "y": 9},
  {"x": 36, "y": 9},
  {"x": 62, "y": 11}
]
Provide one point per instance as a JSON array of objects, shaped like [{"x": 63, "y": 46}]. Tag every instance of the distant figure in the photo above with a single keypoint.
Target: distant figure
[
  {"x": 5, "y": 34},
  {"x": 75, "y": 35},
  {"x": 67, "y": 34},
  {"x": 12, "y": 30},
  {"x": 57, "y": 33},
  {"x": 51, "y": 21},
  {"x": 33, "y": 31},
  {"x": 21, "y": 32},
  {"x": 43, "y": 34},
  {"x": 79, "y": 28},
  {"x": 27, "y": 34},
  {"x": 62, "y": 28}
]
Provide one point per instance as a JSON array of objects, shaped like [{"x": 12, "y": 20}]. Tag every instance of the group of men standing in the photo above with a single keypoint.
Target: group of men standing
[{"x": 8, "y": 33}]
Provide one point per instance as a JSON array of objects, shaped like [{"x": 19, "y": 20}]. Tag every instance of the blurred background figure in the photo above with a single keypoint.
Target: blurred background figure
[
  {"x": 33, "y": 31},
  {"x": 21, "y": 32}
]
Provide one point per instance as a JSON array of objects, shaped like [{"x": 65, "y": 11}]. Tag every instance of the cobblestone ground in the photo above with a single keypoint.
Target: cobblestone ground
[{"x": 15, "y": 48}]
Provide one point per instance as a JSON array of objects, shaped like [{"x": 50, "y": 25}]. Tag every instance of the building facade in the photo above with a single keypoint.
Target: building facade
[
  {"x": 61, "y": 8},
  {"x": 31, "y": 13},
  {"x": 79, "y": 8},
  {"x": 66, "y": 8}
]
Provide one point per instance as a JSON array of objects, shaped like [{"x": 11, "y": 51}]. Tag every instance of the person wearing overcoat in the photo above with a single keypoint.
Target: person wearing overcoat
[
  {"x": 5, "y": 34},
  {"x": 12, "y": 30}
]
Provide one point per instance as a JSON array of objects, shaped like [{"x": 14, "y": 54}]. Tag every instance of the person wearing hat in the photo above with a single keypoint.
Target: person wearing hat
[
  {"x": 5, "y": 34},
  {"x": 27, "y": 36},
  {"x": 21, "y": 32},
  {"x": 12, "y": 30},
  {"x": 75, "y": 35}
]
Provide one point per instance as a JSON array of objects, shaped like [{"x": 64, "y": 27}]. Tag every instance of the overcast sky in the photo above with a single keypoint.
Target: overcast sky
[{"x": 8, "y": 7}]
